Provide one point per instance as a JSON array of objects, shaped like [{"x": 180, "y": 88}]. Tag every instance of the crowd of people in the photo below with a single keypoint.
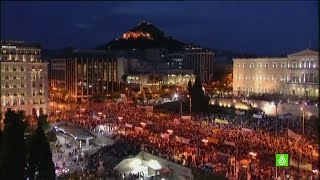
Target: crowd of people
[{"x": 158, "y": 133}]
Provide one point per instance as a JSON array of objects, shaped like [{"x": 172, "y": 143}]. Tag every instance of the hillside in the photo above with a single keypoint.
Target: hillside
[{"x": 144, "y": 36}]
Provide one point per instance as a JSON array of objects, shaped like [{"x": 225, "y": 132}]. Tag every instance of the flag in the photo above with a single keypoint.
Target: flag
[
  {"x": 229, "y": 143},
  {"x": 186, "y": 117},
  {"x": 293, "y": 135},
  {"x": 305, "y": 166}
]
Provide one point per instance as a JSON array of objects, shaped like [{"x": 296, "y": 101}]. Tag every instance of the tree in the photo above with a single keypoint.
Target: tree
[
  {"x": 13, "y": 157},
  {"x": 40, "y": 159},
  {"x": 124, "y": 78},
  {"x": 189, "y": 86},
  {"x": 199, "y": 101}
]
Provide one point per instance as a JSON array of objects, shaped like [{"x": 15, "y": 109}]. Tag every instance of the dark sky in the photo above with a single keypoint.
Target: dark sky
[{"x": 252, "y": 27}]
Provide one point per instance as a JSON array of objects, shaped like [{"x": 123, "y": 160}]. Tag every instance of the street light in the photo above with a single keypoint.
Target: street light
[
  {"x": 189, "y": 104},
  {"x": 127, "y": 92},
  {"x": 302, "y": 109}
]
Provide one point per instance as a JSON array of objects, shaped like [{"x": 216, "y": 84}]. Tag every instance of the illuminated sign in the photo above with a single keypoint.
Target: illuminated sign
[{"x": 9, "y": 47}]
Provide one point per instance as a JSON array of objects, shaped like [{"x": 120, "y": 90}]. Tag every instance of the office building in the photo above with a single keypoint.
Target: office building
[
  {"x": 24, "y": 78},
  {"x": 297, "y": 75},
  {"x": 171, "y": 77},
  {"x": 85, "y": 73},
  {"x": 199, "y": 60}
]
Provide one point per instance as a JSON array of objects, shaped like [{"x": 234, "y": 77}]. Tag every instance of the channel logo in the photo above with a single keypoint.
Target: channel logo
[{"x": 282, "y": 160}]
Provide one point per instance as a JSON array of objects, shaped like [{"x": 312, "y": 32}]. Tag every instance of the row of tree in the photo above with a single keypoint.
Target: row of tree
[{"x": 24, "y": 155}]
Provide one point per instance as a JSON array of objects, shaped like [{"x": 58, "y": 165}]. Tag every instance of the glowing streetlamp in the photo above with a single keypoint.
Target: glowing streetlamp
[{"x": 189, "y": 104}]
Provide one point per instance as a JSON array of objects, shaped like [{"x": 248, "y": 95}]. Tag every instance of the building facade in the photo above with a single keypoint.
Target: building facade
[
  {"x": 87, "y": 73},
  {"x": 200, "y": 61},
  {"x": 296, "y": 74},
  {"x": 176, "y": 77},
  {"x": 303, "y": 74},
  {"x": 24, "y": 78},
  {"x": 58, "y": 74}
]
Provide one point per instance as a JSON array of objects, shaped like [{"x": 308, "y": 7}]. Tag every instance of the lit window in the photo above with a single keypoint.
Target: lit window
[{"x": 274, "y": 65}]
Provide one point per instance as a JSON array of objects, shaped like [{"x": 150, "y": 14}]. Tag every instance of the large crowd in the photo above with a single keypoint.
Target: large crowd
[{"x": 157, "y": 133}]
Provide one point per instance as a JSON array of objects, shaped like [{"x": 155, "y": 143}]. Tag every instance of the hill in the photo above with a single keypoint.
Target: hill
[{"x": 144, "y": 36}]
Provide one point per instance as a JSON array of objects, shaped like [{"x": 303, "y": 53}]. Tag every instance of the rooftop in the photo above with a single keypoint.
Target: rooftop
[
  {"x": 19, "y": 44},
  {"x": 306, "y": 52}
]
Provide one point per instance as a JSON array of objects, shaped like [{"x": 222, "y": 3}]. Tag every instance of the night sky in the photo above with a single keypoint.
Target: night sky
[{"x": 248, "y": 27}]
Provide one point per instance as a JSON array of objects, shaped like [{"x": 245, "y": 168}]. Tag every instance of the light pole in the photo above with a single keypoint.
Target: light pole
[
  {"x": 127, "y": 93},
  {"x": 189, "y": 104},
  {"x": 180, "y": 109},
  {"x": 302, "y": 109}
]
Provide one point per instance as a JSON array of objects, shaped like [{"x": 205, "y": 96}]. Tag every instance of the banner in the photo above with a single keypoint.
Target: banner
[
  {"x": 95, "y": 117},
  {"x": 163, "y": 115},
  {"x": 138, "y": 129},
  {"x": 221, "y": 121},
  {"x": 128, "y": 125},
  {"x": 246, "y": 130},
  {"x": 229, "y": 143},
  {"x": 306, "y": 166},
  {"x": 293, "y": 135},
  {"x": 186, "y": 117},
  {"x": 239, "y": 112},
  {"x": 258, "y": 116},
  {"x": 213, "y": 140},
  {"x": 182, "y": 140}
]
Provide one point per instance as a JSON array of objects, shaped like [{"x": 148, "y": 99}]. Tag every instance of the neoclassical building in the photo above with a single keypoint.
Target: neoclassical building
[
  {"x": 24, "y": 78},
  {"x": 297, "y": 75}
]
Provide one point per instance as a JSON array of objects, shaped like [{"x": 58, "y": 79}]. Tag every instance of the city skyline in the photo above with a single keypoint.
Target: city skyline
[{"x": 240, "y": 27}]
